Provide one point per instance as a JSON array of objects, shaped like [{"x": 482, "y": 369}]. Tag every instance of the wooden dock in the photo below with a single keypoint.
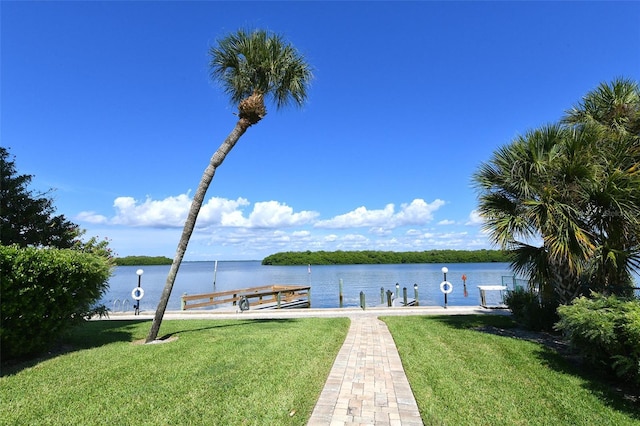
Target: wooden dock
[
  {"x": 401, "y": 302},
  {"x": 274, "y": 296},
  {"x": 394, "y": 301}
]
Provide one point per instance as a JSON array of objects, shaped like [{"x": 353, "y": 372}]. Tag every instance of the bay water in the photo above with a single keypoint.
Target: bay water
[{"x": 206, "y": 277}]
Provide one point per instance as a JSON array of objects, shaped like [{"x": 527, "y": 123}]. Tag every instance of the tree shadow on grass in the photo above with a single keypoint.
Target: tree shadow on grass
[
  {"x": 91, "y": 334},
  {"x": 235, "y": 323},
  {"x": 556, "y": 354},
  {"x": 618, "y": 395},
  {"x": 472, "y": 321}
]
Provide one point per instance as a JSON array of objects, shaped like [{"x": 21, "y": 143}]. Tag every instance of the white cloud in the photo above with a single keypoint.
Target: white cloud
[
  {"x": 91, "y": 217},
  {"x": 446, "y": 222},
  {"x": 353, "y": 242},
  {"x": 380, "y": 231},
  {"x": 221, "y": 211},
  {"x": 354, "y": 238},
  {"x": 171, "y": 212},
  {"x": 475, "y": 218},
  {"x": 453, "y": 235},
  {"x": 272, "y": 214},
  {"x": 418, "y": 212},
  {"x": 238, "y": 229},
  {"x": 358, "y": 218}
]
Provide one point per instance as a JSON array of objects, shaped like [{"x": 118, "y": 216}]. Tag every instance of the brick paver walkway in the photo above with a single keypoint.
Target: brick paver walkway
[{"x": 367, "y": 384}]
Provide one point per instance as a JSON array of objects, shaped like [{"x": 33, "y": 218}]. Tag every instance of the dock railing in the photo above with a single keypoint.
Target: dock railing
[
  {"x": 513, "y": 282},
  {"x": 264, "y": 297}
]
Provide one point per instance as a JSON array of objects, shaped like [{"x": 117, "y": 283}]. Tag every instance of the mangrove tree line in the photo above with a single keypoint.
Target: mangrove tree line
[{"x": 384, "y": 257}]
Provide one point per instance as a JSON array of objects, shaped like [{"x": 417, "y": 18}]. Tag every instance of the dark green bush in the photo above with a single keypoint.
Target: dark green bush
[
  {"x": 528, "y": 311},
  {"x": 606, "y": 331},
  {"x": 44, "y": 292}
]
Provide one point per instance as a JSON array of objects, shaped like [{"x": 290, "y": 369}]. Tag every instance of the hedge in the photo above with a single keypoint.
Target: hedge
[
  {"x": 606, "y": 331},
  {"x": 44, "y": 292}
]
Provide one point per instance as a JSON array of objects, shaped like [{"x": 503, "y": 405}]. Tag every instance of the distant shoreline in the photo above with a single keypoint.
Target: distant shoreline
[
  {"x": 385, "y": 257},
  {"x": 366, "y": 257},
  {"x": 143, "y": 260}
]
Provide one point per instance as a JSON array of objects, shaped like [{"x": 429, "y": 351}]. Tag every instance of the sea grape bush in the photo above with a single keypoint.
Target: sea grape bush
[
  {"x": 45, "y": 291},
  {"x": 606, "y": 331}
]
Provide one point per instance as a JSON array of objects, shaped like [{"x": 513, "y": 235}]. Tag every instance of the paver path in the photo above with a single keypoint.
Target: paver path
[{"x": 367, "y": 384}]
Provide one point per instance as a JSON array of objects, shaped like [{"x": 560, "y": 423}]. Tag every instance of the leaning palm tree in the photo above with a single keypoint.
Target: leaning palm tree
[{"x": 251, "y": 66}]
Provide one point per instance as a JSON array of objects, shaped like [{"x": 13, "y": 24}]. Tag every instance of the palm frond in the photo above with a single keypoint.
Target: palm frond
[
  {"x": 250, "y": 62},
  {"x": 614, "y": 105}
]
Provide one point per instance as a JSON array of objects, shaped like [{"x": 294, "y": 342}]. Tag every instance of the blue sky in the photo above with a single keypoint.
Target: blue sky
[{"x": 111, "y": 104}]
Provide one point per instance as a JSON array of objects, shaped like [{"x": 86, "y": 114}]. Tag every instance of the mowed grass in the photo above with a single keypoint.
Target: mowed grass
[
  {"x": 245, "y": 372},
  {"x": 271, "y": 372},
  {"x": 462, "y": 376}
]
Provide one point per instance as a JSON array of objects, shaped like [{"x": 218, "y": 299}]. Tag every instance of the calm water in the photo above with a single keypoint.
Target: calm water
[{"x": 198, "y": 277}]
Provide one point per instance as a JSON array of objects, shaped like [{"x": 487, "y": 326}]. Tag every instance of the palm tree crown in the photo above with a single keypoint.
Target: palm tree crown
[
  {"x": 615, "y": 105},
  {"x": 252, "y": 65}
]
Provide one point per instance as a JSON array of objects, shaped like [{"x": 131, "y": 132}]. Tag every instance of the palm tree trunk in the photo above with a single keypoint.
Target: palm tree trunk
[
  {"x": 216, "y": 160},
  {"x": 564, "y": 283}
]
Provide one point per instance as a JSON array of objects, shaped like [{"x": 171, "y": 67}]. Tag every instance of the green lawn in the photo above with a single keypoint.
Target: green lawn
[
  {"x": 271, "y": 372},
  {"x": 216, "y": 372},
  {"x": 461, "y": 376}
]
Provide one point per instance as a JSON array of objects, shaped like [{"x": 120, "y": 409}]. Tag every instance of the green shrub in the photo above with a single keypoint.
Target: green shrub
[
  {"x": 528, "y": 311},
  {"x": 606, "y": 331},
  {"x": 44, "y": 292}
]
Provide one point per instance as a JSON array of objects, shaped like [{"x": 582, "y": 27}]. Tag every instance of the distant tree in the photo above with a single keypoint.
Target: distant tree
[
  {"x": 50, "y": 278},
  {"x": 143, "y": 260},
  {"x": 384, "y": 257},
  {"x": 251, "y": 66},
  {"x": 28, "y": 218}
]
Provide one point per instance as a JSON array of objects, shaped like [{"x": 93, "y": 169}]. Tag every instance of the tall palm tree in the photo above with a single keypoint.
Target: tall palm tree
[
  {"x": 614, "y": 108},
  {"x": 251, "y": 66},
  {"x": 564, "y": 198},
  {"x": 530, "y": 196}
]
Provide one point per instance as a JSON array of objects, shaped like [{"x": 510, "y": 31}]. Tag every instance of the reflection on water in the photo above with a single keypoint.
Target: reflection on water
[{"x": 198, "y": 277}]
